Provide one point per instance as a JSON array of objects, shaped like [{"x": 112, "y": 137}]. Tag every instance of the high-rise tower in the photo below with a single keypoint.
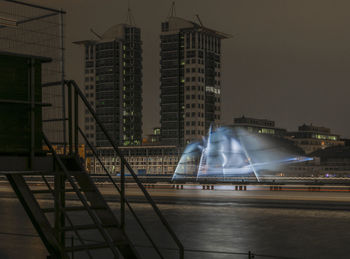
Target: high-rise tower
[
  {"x": 190, "y": 80},
  {"x": 113, "y": 85}
]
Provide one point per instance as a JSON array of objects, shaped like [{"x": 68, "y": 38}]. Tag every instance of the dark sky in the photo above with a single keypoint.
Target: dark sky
[{"x": 289, "y": 60}]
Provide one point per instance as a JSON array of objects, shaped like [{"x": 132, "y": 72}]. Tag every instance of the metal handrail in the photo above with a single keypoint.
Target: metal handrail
[
  {"x": 120, "y": 192},
  {"x": 80, "y": 196},
  {"x": 77, "y": 92},
  {"x": 125, "y": 162}
]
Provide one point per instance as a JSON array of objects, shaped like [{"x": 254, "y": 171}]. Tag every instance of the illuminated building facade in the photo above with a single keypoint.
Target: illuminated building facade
[
  {"x": 152, "y": 139},
  {"x": 311, "y": 138},
  {"x": 113, "y": 85},
  {"x": 190, "y": 80},
  {"x": 262, "y": 126},
  {"x": 144, "y": 160}
]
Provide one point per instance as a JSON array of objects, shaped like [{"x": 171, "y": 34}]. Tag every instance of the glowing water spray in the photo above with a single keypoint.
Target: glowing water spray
[{"x": 232, "y": 152}]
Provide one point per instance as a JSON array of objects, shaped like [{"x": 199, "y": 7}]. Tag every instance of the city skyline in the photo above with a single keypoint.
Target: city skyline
[
  {"x": 250, "y": 150},
  {"x": 288, "y": 58}
]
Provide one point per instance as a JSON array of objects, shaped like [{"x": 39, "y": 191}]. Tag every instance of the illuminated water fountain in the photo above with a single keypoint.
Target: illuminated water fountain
[{"x": 231, "y": 152}]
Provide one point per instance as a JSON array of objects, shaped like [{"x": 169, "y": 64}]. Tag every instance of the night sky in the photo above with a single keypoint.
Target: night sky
[{"x": 288, "y": 61}]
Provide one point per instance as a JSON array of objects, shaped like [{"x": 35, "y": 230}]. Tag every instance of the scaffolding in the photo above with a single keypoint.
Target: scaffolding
[{"x": 39, "y": 31}]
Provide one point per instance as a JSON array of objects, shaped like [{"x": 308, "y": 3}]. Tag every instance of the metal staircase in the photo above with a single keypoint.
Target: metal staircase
[
  {"x": 65, "y": 175},
  {"x": 91, "y": 201}
]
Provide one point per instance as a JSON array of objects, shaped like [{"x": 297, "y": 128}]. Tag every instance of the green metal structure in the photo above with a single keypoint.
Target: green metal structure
[{"x": 20, "y": 103}]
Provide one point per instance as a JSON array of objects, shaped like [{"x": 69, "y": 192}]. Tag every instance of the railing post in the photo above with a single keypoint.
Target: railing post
[
  {"x": 59, "y": 185},
  {"x": 70, "y": 119},
  {"x": 76, "y": 123},
  {"x": 72, "y": 245},
  {"x": 122, "y": 195},
  {"x": 31, "y": 97}
]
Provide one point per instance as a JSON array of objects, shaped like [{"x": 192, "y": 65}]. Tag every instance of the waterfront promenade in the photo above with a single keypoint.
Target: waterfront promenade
[{"x": 215, "y": 223}]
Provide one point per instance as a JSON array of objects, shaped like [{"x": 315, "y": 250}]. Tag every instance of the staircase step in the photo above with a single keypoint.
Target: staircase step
[
  {"x": 73, "y": 208},
  {"x": 80, "y": 227},
  {"x": 87, "y": 227},
  {"x": 66, "y": 190},
  {"x": 27, "y": 173},
  {"x": 41, "y": 191},
  {"x": 86, "y": 247}
]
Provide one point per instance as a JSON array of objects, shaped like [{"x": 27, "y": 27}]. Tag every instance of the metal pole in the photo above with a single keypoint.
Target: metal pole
[
  {"x": 60, "y": 197},
  {"x": 122, "y": 195},
  {"x": 72, "y": 245},
  {"x": 70, "y": 120},
  {"x": 32, "y": 111},
  {"x": 76, "y": 123},
  {"x": 62, "y": 84}
]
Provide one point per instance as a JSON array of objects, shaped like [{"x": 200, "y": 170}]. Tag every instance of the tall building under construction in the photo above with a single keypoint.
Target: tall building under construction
[
  {"x": 113, "y": 85},
  {"x": 190, "y": 80}
]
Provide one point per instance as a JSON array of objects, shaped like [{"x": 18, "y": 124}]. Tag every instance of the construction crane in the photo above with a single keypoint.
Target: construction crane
[
  {"x": 95, "y": 33},
  {"x": 199, "y": 20}
]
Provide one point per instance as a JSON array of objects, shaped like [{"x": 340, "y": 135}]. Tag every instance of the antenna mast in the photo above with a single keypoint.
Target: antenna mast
[
  {"x": 129, "y": 17},
  {"x": 172, "y": 12}
]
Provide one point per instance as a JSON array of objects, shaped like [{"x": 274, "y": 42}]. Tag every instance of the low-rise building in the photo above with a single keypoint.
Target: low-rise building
[
  {"x": 311, "y": 138},
  {"x": 262, "y": 126},
  {"x": 145, "y": 160},
  {"x": 329, "y": 162}
]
